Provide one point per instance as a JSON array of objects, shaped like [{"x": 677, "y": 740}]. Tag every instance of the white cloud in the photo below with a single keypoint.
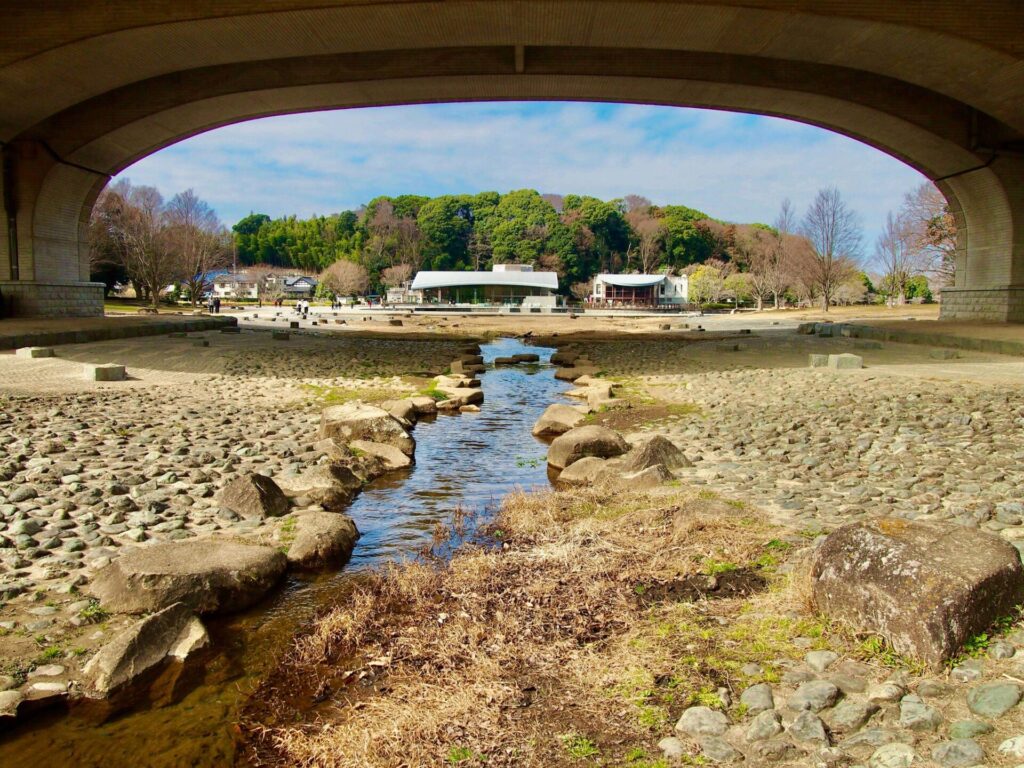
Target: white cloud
[{"x": 733, "y": 166}]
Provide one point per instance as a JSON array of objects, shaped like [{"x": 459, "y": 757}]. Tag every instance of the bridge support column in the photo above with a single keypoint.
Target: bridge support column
[
  {"x": 989, "y": 283},
  {"x": 44, "y": 259}
]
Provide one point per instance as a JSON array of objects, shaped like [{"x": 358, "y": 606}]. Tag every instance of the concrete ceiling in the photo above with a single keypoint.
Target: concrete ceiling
[{"x": 102, "y": 85}]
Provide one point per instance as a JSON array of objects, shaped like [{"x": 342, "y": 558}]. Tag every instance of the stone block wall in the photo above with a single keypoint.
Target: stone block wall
[
  {"x": 994, "y": 305},
  {"x": 31, "y": 299}
]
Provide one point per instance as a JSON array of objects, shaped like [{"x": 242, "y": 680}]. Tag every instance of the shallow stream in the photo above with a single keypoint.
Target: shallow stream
[{"x": 470, "y": 461}]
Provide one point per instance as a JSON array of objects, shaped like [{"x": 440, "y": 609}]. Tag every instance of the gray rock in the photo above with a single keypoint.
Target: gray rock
[
  {"x": 719, "y": 750},
  {"x": 968, "y": 671},
  {"x": 702, "y": 721},
  {"x": 877, "y": 737},
  {"x": 758, "y": 698},
  {"x": 918, "y": 716},
  {"x": 893, "y": 756},
  {"x": 322, "y": 539},
  {"x": 1001, "y": 649},
  {"x": 764, "y": 726},
  {"x": 850, "y": 715},
  {"x": 9, "y": 701},
  {"x": 896, "y": 578},
  {"x": 209, "y": 575},
  {"x": 969, "y": 729},
  {"x": 254, "y": 497},
  {"x": 174, "y": 632},
  {"x": 993, "y": 699},
  {"x": 961, "y": 753},
  {"x": 582, "y": 472},
  {"x": 672, "y": 748},
  {"x": 819, "y": 661},
  {"x": 591, "y": 440},
  {"x": 808, "y": 727},
  {"x": 358, "y": 421},
  {"x": 557, "y": 419},
  {"x": 1013, "y": 747},
  {"x": 814, "y": 695},
  {"x": 656, "y": 451}
]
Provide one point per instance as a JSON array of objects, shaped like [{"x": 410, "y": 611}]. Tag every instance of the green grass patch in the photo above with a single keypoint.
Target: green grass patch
[
  {"x": 579, "y": 747},
  {"x": 326, "y": 395}
]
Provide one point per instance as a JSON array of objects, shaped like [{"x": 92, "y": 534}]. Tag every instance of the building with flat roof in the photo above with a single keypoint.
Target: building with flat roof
[
  {"x": 505, "y": 284},
  {"x": 640, "y": 290}
]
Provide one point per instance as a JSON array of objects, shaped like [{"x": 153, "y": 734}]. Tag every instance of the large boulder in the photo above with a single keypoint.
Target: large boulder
[
  {"x": 358, "y": 421},
  {"x": 209, "y": 576},
  {"x": 556, "y": 420},
  {"x": 172, "y": 633},
  {"x": 582, "y": 472},
  {"x": 424, "y": 404},
  {"x": 403, "y": 410},
  {"x": 388, "y": 454},
  {"x": 322, "y": 540},
  {"x": 254, "y": 496},
  {"x": 655, "y": 451},
  {"x": 925, "y": 587},
  {"x": 590, "y": 440},
  {"x": 332, "y": 485}
]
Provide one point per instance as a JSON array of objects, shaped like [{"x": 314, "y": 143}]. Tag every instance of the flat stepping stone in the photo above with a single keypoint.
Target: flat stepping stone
[
  {"x": 34, "y": 352},
  {"x": 209, "y": 575},
  {"x": 104, "y": 372}
]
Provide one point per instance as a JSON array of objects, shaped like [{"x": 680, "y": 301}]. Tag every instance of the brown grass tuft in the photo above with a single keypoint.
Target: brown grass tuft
[{"x": 539, "y": 650}]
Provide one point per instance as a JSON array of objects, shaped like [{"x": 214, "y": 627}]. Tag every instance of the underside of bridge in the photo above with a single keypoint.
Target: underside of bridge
[{"x": 86, "y": 89}]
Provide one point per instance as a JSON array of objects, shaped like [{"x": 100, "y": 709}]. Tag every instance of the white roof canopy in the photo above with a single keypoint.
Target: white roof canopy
[
  {"x": 632, "y": 281},
  {"x": 430, "y": 280}
]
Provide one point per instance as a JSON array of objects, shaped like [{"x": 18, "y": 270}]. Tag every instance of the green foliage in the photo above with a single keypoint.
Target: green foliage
[
  {"x": 472, "y": 232},
  {"x": 579, "y": 747},
  {"x": 917, "y": 288},
  {"x": 458, "y": 755}
]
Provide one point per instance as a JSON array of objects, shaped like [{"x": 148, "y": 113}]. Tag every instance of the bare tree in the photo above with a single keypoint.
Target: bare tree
[
  {"x": 757, "y": 250},
  {"x": 581, "y": 290},
  {"x": 631, "y": 203},
  {"x": 479, "y": 248},
  {"x": 899, "y": 254},
  {"x": 396, "y": 276},
  {"x": 345, "y": 278},
  {"x": 834, "y": 234},
  {"x": 557, "y": 201},
  {"x": 198, "y": 240},
  {"x": 934, "y": 229},
  {"x": 650, "y": 236},
  {"x": 382, "y": 226},
  {"x": 410, "y": 242},
  {"x": 148, "y": 252}
]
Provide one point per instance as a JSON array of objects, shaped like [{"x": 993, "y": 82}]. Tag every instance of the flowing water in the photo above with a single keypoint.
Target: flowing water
[{"x": 467, "y": 461}]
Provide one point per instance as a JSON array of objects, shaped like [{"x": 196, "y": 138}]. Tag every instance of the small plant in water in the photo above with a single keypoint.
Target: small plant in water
[{"x": 531, "y": 463}]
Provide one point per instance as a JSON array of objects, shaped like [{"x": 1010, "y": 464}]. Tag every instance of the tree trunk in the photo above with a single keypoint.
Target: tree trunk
[
  {"x": 824, "y": 302},
  {"x": 760, "y": 303}
]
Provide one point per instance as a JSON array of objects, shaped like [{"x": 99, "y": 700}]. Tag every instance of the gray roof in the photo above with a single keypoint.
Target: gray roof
[
  {"x": 426, "y": 280},
  {"x": 632, "y": 281}
]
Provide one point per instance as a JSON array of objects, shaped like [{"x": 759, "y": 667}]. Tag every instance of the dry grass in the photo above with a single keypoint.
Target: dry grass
[{"x": 545, "y": 651}]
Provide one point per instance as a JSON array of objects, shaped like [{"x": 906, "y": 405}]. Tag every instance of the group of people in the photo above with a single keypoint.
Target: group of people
[
  {"x": 302, "y": 307},
  {"x": 213, "y": 304}
]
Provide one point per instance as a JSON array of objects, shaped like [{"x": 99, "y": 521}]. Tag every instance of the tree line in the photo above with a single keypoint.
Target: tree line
[{"x": 818, "y": 257}]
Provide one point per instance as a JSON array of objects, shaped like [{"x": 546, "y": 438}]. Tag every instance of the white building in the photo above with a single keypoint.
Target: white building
[
  {"x": 640, "y": 290},
  {"x": 246, "y": 285},
  {"x": 505, "y": 284}
]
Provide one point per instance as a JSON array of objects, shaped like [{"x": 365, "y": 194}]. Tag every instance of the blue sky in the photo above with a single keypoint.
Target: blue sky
[{"x": 732, "y": 166}]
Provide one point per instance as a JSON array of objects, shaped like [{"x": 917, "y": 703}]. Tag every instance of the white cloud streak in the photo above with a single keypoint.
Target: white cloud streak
[{"x": 733, "y": 166}]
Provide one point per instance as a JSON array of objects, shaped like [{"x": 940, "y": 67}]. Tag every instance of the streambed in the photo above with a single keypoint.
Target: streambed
[{"x": 468, "y": 461}]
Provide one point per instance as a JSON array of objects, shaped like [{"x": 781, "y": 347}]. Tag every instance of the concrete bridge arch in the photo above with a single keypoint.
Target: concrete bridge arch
[{"x": 85, "y": 91}]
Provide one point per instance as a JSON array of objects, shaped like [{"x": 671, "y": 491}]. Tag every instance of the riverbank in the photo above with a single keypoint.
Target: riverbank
[{"x": 599, "y": 626}]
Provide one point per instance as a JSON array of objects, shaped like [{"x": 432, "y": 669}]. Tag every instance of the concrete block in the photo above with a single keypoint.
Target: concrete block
[
  {"x": 104, "y": 372},
  {"x": 817, "y": 361},
  {"x": 200, "y": 343},
  {"x": 231, "y": 329},
  {"x": 845, "y": 361},
  {"x": 34, "y": 352},
  {"x": 293, "y": 324},
  {"x": 280, "y": 335}
]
